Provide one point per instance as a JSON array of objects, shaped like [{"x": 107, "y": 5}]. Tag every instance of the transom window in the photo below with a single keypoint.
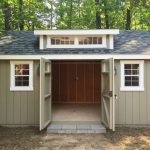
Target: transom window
[
  {"x": 132, "y": 75},
  {"x": 78, "y": 41},
  {"x": 21, "y": 75},
  {"x": 62, "y": 41},
  {"x": 90, "y": 40}
]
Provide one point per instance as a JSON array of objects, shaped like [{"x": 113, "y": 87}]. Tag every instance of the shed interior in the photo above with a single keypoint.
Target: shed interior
[{"x": 76, "y": 91}]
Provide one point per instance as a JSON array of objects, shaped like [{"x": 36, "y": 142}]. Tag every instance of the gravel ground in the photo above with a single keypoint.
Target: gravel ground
[{"x": 30, "y": 138}]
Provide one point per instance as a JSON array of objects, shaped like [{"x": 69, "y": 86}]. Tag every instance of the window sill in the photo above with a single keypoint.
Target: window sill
[
  {"x": 131, "y": 89},
  {"x": 21, "y": 88}
]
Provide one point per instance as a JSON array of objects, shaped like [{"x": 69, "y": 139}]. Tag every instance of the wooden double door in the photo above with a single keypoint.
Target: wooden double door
[{"x": 76, "y": 82}]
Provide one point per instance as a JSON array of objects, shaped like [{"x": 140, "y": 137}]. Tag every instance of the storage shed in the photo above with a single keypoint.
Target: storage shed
[{"x": 70, "y": 76}]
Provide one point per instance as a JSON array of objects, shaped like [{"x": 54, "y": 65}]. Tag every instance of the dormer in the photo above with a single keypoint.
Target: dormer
[{"x": 57, "y": 39}]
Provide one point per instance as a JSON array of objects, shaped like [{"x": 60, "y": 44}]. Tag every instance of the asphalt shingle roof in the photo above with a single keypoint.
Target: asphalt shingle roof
[{"x": 25, "y": 42}]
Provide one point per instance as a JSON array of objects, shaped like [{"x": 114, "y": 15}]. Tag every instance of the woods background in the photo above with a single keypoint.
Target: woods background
[{"x": 74, "y": 14}]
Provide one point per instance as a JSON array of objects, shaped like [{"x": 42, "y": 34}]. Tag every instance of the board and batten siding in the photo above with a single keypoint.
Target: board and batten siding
[
  {"x": 133, "y": 107},
  {"x": 18, "y": 107}
]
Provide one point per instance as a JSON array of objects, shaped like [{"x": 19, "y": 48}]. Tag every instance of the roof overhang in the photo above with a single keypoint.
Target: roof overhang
[{"x": 78, "y": 32}]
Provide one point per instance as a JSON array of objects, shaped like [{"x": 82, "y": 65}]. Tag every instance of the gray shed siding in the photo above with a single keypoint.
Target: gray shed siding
[
  {"x": 22, "y": 107},
  {"x": 18, "y": 107},
  {"x": 133, "y": 108}
]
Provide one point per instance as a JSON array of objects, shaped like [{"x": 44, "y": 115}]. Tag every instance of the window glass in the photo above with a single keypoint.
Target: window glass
[
  {"x": 53, "y": 41},
  {"x": 90, "y": 40},
  {"x": 57, "y": 41},
  {"x": 62, "y": 41},
  {"x": 131, "y": 74},
  {"x": 95, "y": 40},
  {"x": 22, "y": 75},
  {"x": 99, "y": 40}
]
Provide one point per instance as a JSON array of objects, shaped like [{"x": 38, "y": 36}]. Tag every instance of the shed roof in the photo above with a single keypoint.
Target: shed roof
[{"x": 25, "y": 42}]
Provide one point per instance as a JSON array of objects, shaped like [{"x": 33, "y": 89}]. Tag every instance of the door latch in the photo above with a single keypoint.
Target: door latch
[
  {"x": 116, "y": 97},
  {"x": 108, "y": 93}
]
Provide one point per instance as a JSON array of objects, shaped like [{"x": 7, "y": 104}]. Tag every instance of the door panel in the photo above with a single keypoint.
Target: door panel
[
  {"x": 72, "y": 83},
  {"x": 77, "y": 82},
  {"x": 80, "y": 80},
  {"x": 89, "y": 83},
  {"x": 63, "y": 86},
  {"x": 45, "y": 93},
  {"x": 108, "y": 93},
  {"x": 55, "y": 82},
  {"x": 97, "y": 82}
]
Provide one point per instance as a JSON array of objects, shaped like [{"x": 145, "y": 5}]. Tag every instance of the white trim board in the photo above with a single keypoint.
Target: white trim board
[
  {"x": 73, "y": 57},
  {"x": 77, "y": 32}
]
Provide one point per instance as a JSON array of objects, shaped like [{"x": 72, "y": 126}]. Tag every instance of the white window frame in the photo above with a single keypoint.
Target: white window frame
[
  {"x": 76, "y": 43},
  {"x": 141, "y": 76},
  {"x": 12, "y": 76}
]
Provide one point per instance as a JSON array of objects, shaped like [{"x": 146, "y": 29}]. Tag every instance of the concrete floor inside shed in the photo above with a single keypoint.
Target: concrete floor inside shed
[{"x": 76, "y": 112}]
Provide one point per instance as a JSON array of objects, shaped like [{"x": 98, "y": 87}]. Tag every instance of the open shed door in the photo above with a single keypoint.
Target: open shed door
[
  {"x": 108, "y": 104},
  {"x": 45, "y": 93}
]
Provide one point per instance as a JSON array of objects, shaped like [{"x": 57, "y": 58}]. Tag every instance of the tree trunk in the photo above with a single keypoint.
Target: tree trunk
[
  {"x": 51, "y": 23},
  {"x": 70, "y": 15},
  {"x": 107, "y": 20},
  {"x": 106, "y": 15},
  {"x": 21, "y": 21},
  {"x": 7, "y": 16},
  {"x": 128, "y": 20},
  {"x": 79, "y": 13},
  {"x": 98, "y": 16}
]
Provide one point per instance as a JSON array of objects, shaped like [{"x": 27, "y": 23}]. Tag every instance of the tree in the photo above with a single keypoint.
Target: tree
[
  {"x": 7, "y": 15},
  {"x": 128, "y": 20},
  {"x": 21, "y": 22},
  {"x": 106, "y": 6},
  {"x": 74, "y": 14},
  {"x": 98, "y": 16}
]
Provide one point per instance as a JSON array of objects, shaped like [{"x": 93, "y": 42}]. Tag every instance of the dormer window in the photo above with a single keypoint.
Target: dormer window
[
  {"x": 76, "y": 41},
  {"x": 62, "y": 41},
  {"x": 90, "y": 40}
]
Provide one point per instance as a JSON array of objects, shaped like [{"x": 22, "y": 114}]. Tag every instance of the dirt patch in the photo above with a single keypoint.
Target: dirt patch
[
  {"x": 130, "y": 138},
  {"x": 31, "y": 139}
]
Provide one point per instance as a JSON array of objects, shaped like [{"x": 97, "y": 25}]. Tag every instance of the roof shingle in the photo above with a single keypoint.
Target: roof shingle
[{"x": 25, "y": 42}]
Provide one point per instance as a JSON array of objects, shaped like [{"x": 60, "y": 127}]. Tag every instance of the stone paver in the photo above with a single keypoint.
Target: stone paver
[
  {"x": 68, "y": 127},
  {"x": 83, "y": 126},
  {"x": 76, "y": 128},
  {"x": 97, "y": 127},
  {"x": 55, "y": 127}
]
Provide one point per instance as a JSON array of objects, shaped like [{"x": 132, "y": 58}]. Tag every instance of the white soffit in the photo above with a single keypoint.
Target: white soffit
[{"x": 78, "y": 32}]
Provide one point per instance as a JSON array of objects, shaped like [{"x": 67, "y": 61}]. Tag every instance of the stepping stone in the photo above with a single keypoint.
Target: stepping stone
[{"x": 76, "y": 128}]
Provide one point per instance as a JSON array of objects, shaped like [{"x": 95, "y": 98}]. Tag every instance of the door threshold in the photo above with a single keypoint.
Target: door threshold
[{"x": 75, "y": 122}]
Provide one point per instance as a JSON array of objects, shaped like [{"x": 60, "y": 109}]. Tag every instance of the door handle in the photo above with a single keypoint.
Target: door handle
[
  {"x": 76, "y": 78},
  {"x": 116, "y": 97}
]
